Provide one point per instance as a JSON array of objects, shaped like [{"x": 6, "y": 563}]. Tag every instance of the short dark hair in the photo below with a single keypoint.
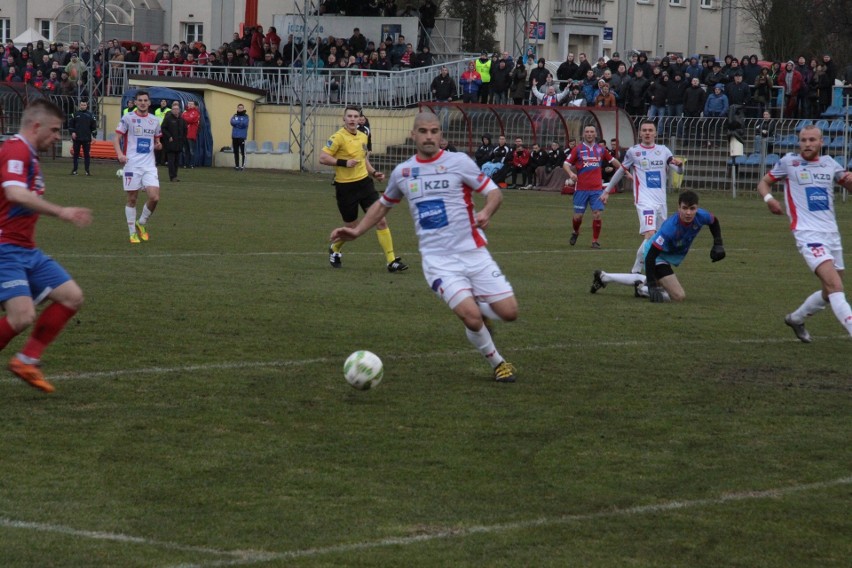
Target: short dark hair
[
  {"x": 140, "y": 94},
  {"x": 352, "y": 107},
  {"x": 688, "y": 198},
  {"x": 39, "y": 108},
  {"x": 648, "y": 121}
]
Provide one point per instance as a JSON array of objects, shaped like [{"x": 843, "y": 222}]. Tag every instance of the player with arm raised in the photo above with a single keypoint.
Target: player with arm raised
[
  {"x": 809, "y": 179},
  {"x": 668, "y": 248},
  {"x": 649, "y": 163},
  {"x": 438, "y": 186},
  {"x": 27, "y": 275}
]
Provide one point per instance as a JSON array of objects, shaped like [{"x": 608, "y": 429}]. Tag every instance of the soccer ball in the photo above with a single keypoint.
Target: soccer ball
[
  {"x": 119, "y": 172},
  {"x": 363, "y": 370}
]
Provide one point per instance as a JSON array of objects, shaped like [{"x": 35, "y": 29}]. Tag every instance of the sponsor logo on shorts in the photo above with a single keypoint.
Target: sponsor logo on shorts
[
  {"x": 437, "y": 284},
  {"x": 14, "y": 283}
]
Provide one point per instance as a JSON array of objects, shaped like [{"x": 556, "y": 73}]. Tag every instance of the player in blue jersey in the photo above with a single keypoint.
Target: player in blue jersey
[{"x": 666, "y": 249}]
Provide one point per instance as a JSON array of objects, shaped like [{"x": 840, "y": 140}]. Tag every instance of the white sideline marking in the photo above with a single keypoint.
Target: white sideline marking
[
  {"x": 303, "y": 362},
  {"x": 243, "y": 557},
  {"x": 247, "y": 557}
]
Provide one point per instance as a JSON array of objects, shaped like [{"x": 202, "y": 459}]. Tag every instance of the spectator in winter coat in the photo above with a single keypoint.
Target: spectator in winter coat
[
  {"x": 634, "y": 94},
  {"x": 518, "y": 83},
  {"x": 792, "y": 82},
  {"x": 605, "y": 97},
  {"x": 694, "y": 69},
  {"x": 519, "y": 160},
  {"x": 566, "y": 71},
  {"x": 738, "y": 92},
  {"x": 674, "y": 95},
  {"x": 500, "y": 81},
  {"x": 717, "y": 102},
  {"x": 538, "y": 74},
  {"x": 582, "y": 67},
  {"x": 470, "y": 82},
  {"x": 716, "y": 76},
  {"x": 694, "y": 98},
  {"x": 443, "y": 87},
  {"x": 192, "y": 117},
  {"x": 657, "y": 93},
  {"x": 483, "y": 153},
  {"x": 590, "y": 87}
]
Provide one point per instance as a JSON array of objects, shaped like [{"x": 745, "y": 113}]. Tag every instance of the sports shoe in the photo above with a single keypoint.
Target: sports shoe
[
  {"x": 798, "y": 329},
  {"x": 30, "y": 374},
  {"x": 397, "y": 265},
  {"x": 573, "y": 240},
  {"x": 504, "y": 373},
  {"x": 140, "y": 229},
  {"x": 636, "y": 286},
  {"x": 74, "y": 172},
  {"x": 334, "y": 258},
  {"x": 596, "y": 245},
  {"x": 134, "y": 239},
  {"x": 597, "y": 283}
]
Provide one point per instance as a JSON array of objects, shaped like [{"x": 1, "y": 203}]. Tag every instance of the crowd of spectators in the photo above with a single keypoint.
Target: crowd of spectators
[{"x": 670, "y": 86}]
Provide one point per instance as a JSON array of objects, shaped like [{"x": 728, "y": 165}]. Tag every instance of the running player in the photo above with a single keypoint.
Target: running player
[
  {"x": 809, "y": 195},
  {"x": 140, "y": 132},
  {"x": 27, "y": 275},
  {"x": 589, "y": 159},
  {"x": 456, "y": 264},
  {"x": 648, "y": 162},
  {"x": 666, "y": 249}
]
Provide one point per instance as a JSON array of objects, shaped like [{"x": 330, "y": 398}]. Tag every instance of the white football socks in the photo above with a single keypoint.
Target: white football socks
[
  {"x": 639, "y": 263},
  {"x": 146, "y": 214},
  {"x": 809, "y": 307},
  {"x": 841, "y": 310},
  {"x": 484, "y": 344},
  {"x": 621, "y": 278},
  {"x": 130, "y": 215}
]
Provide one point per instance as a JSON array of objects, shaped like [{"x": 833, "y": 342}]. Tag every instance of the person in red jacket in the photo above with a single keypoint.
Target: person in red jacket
[
  {"x": 792, "y": 82},
  {"x": 192, "y": 117},
  {"x": 149, "y": 56},
  {"x": 520, "y": 159},
  {"x": 256, "y": 47},
  {"x": 273, "y": 39}
]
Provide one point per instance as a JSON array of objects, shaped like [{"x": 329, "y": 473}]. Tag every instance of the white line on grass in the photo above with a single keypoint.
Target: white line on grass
[
  {"x": 244, "y": 557},
  {"x": 460, "y": 532},
  {"x": 303, "y": 362}
]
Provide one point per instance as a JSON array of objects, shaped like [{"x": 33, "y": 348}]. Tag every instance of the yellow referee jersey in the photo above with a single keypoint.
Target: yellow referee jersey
[{"x": 344, "y": 145}]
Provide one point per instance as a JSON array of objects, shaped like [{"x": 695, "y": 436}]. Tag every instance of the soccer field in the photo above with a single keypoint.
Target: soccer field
[{"x": 201, "y": 417}]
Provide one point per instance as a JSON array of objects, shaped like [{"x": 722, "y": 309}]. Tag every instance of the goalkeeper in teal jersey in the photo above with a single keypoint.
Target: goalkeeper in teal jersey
[{"x": 668, "y": 248}]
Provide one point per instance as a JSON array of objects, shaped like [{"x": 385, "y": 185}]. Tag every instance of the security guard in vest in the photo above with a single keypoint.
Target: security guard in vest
[
  {"x": 160, "y": 113},
  {"x": 483, "y": 67}
]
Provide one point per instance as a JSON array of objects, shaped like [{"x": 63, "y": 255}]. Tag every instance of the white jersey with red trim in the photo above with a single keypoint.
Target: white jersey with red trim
[
  {"x": 809, "y": 191},
  {"x": 439, "y": 193},
  {"x": 140, "y": 133},
  {"x": 649, "y": 166}
]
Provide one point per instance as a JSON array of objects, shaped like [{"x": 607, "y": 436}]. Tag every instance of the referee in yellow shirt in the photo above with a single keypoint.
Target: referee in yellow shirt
[{"x": 346, "y": 150}]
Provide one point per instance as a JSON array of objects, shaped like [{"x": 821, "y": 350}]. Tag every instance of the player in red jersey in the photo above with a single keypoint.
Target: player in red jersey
[
  {"x": 589, "y": 160},
  {"x": 27, "y": 275}
]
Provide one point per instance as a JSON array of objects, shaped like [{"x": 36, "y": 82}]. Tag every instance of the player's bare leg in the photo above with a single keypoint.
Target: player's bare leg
[{"x": 480, "y": 337}]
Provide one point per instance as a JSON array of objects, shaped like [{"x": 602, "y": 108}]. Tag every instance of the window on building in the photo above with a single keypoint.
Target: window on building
[
  {"x": 706, "y": 3},
  {"x": 644, "y": 1},
  {"x": 675, "y": 2},
  {"x": 5, "y": 29},
  {"x": 45, "y": 28},
  {"x": 193, "y": 32}
]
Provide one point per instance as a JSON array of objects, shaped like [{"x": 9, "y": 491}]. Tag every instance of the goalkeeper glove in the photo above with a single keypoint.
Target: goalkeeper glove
[
  {"x": 717, "y": 253},
  {"x": 655, "y": 294}
]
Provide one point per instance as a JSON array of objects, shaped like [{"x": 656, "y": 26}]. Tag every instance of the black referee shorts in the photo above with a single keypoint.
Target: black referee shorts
[{"x": 351, "y": 195}]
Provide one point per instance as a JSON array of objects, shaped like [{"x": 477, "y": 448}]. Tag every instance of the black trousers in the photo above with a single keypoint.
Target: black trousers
[
  {"x": 239, "y": 146},
  {"x": 85, "y": 145},
  {"x": 173, "y": 158}
]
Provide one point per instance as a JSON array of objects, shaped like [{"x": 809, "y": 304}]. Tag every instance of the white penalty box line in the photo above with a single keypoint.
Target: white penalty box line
[{"x": 246, "y": 557}]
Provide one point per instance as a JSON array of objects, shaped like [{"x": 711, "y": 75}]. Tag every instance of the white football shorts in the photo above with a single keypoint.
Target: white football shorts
[
  {"x": 817, "y": 247},
  {"x": 140, "y": 179},
  {"x": 651, "y": 216},
  {"x": 473, "y": 273}
]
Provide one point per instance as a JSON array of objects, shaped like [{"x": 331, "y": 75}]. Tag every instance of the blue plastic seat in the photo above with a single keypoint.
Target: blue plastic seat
[
  {"x": 789, "y": 141},
  {"x": 822, "y": 125},
  {"x": 836, "y": 144},
  {"x": 802, "y": 123},
  {"x": 833, "y": 111},
  {"x": 753, "y": 159},
  {"x": 836, "y": 127},
  {"x": 251, "y": 147},
  {"x": 283, "y": 148},
  {"x": 772, "y": 159},
  {"x": 849, "y": 165},
  {"x": 265, "y": 148}
]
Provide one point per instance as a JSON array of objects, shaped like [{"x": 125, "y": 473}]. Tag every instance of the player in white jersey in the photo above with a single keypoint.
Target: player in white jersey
[
  {"x": 140, "y": 132},
  {"x": 439, "y": 187},
  {"x": 809, "y": 179},
  {"x": 649, "y": 163}
]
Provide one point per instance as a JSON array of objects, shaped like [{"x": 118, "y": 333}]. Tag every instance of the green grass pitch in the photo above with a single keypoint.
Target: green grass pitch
[{"x": 201, "y": 417}]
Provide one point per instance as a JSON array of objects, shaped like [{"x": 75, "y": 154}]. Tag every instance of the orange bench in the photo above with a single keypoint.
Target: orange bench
[{"x": 101, "y": 149}]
